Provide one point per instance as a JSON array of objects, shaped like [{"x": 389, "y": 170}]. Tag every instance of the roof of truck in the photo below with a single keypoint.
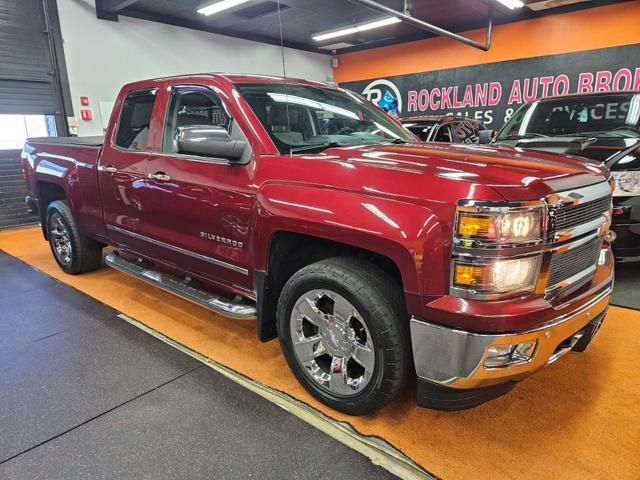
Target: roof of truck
[
  {"x": 248, "y": 78},
  {"x": 236, "y": 78}
]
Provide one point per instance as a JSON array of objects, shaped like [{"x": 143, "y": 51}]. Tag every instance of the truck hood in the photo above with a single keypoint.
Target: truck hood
[{"x": 516, "y": 174}]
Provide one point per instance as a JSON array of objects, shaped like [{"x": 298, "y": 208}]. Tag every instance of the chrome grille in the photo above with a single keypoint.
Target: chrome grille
[
  {"x": 567, "y": 264},
  {"x": 570, "y": 216}
]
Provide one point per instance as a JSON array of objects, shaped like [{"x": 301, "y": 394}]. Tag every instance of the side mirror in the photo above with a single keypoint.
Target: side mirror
[
  {"x": 485, "y": 136},
  {"x": 208, "y": 141}
]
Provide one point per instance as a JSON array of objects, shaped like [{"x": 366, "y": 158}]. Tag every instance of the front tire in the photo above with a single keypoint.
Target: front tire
[
  {"x": 74, "y": 252},
  {"x": 343, "y": 330}
]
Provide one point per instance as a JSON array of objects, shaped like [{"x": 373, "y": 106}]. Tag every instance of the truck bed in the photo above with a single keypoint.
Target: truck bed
[
  {"x": 67, "y": 164},
  {"x": 96, "y": 142}
]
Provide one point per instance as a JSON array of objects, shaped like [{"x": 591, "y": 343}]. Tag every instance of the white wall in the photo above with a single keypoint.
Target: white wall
[{"x": 101, "y": 56}]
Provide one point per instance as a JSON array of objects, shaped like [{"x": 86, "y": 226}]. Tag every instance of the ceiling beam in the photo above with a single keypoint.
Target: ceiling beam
[
  {"x": 407, "y": 18},
  {"x": 109, "y": 9},
  {"x": 114, "y": 6}
]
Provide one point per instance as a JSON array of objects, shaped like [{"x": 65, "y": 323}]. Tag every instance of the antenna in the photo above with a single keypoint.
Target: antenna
[{"x": 284, "y": 71}]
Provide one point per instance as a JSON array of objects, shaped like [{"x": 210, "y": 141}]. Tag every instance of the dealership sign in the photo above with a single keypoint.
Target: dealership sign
[{"x": 491, "y": 92}]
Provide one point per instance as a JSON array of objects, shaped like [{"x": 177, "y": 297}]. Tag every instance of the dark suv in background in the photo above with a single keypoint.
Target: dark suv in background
[
  {"x": 445, "y": 128},
  {"x": 603, "y": 127}
]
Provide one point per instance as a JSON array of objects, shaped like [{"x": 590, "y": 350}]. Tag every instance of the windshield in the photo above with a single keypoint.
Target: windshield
[
  {"x": 301, "y": 117},
  {"x": 615, "y": 115}
]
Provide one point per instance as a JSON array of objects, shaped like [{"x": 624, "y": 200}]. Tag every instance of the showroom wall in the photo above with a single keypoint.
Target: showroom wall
[
  {"x": 582, "y": 51},
  {"x": 587, "y": 29},
  {"x": 101, "y": 56}
]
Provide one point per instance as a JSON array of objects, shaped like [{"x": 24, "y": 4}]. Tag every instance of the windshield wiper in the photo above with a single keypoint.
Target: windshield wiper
[
  {"x": 526, "y": 135},
  {"x": 317, "y": 146},
  {"x": 325, "y": 145}
]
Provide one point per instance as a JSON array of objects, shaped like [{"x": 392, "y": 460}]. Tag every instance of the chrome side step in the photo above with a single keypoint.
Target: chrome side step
[{"x": 203, "y": 298}]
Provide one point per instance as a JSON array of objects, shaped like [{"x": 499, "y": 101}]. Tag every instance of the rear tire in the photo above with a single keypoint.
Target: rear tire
[
  {"x": 74, "y": 252},
  {"x": 355, "y": 362}
]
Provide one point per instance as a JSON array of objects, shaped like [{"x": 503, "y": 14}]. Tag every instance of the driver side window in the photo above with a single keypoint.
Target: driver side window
[{"x": 192, "y": 106}]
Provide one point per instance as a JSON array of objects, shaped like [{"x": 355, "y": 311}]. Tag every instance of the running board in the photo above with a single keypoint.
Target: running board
[{"x": 218, "y": 304}]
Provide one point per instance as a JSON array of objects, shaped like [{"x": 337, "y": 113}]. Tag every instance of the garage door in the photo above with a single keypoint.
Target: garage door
[
  {"x": 28, "y": 83},
  {"x": 30, "y": 96}
]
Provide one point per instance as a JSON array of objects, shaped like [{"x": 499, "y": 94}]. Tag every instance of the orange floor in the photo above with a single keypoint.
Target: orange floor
[{"x": 579, "y": 418}]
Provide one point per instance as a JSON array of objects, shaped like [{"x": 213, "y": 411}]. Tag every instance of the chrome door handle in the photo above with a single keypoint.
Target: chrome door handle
[
  {"x": 108, "y": 169},
  {"x": 159, "y": 176}
]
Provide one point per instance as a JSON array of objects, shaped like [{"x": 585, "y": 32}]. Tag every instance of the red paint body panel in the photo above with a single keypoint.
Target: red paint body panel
[{"x": 395, "y": 200}]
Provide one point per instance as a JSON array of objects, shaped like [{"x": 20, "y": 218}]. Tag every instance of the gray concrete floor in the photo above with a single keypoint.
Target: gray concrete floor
[{"x": 84, "y": 394}]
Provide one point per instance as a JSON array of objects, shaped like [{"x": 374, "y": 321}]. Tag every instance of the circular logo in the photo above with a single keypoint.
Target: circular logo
[{"x": 375, "y": 90}]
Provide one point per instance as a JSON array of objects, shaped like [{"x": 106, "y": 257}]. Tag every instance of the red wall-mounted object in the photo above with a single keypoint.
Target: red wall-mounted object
[
  {"x": 84, "y": 101},
  {"x": 86, "y": 114}
]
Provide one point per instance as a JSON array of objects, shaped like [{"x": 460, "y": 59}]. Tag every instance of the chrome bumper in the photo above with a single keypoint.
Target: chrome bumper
[{"x": 456, "y": 358}]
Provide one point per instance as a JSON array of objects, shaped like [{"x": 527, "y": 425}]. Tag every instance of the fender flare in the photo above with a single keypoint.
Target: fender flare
[{"x": 394, "y": 228}]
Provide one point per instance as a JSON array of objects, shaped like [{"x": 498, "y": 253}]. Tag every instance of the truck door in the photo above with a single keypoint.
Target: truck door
[
  {"x": 122, "y": 168},
  {"x": 200, "y": 207}
]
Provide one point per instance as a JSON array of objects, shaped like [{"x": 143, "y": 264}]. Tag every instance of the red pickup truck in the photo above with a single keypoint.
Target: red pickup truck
[{"x": 369, "y": 254}]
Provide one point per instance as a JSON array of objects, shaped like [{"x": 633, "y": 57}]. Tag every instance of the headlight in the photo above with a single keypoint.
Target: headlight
[
  {"x": 496, "y": 226},
  {"x": 627, "y": 184},
  {"x": 497, "y": 276}
]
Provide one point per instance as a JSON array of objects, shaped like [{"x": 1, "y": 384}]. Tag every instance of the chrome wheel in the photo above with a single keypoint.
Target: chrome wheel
[
  {"x": 332, "y": 342},
  {"x": 60, "y": 239}
]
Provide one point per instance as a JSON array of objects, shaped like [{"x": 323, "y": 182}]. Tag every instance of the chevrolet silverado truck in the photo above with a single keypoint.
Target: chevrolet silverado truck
[{"x": 373, "y": 257}]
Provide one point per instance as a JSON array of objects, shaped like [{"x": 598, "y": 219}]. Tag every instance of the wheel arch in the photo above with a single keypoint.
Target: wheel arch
[
  {"x": 48, "y": 192},
  {"x": 300, "y": 250},
  {"x": 317, "y": 222}
]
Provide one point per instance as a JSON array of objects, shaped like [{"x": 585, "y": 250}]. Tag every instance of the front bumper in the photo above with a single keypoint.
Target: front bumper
[{"x": 455, "y": 359}]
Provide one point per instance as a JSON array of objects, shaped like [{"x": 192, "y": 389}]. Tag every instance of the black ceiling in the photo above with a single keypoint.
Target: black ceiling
[{"x": 259, "y": 19}]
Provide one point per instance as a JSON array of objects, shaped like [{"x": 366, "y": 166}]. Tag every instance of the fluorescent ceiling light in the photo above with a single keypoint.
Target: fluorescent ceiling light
[
  {"x": 356, "y": 28},
  {"x": 511, "y": 3},
  {"x": 220, "y": 6}
]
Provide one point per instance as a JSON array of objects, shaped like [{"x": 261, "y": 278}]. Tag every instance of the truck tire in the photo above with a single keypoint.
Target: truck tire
[
  {"x": 74, "y": 252},
  {"x": 344, "y": 332}
]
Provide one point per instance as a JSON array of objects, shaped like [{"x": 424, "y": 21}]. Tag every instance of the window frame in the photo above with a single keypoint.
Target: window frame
[
  {"x": 137, "y": 91},
  {"x": 171, "y": 90}
]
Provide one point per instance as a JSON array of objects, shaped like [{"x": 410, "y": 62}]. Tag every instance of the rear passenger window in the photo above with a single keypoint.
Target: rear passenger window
[{"x": 135, "y": 117}]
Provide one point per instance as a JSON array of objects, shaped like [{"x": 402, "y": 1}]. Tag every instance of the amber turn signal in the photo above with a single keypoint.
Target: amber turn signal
[
  {"x": 473, "y": 226},
  {"x": 470, "y": 275}
]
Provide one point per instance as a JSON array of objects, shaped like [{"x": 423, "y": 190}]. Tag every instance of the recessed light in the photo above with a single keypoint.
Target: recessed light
[
  {"x": 511, "y": 3},
  {"x": 361, "y": 27},
  {"x": 220, "y": 6}
]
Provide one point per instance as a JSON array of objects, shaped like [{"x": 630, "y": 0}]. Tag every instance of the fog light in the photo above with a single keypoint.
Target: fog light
[
  {"x": 505, "y": 355},
  {"x": 610, "y": 236}
]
